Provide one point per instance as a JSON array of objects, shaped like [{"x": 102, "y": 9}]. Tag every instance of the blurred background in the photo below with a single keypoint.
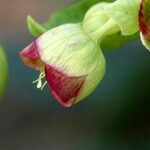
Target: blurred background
[{"x": 114, "y": 117}]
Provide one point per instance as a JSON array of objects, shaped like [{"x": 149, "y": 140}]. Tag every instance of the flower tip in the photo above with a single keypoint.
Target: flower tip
[
  {"x": 30, "y": 56},
  {"x": 30, "y": 51},
  {"x": 67, "y": 104},
  {"x": 65, "y": 89}
]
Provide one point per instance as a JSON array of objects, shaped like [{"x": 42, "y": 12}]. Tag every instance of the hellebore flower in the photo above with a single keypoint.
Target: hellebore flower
[
  {"x": 71, "y": 62},
  {"x": 144, "y": 23}
]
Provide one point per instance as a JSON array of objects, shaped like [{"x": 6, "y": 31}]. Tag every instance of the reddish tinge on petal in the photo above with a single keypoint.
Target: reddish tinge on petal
[
  {"x": 64, "y": 88},
  {"x": 30, "y": 56},
  {"x": 144, "y": 18}
]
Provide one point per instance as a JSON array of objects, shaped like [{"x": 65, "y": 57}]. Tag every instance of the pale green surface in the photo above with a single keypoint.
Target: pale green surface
[
  {"x": 3, "y": 71},
  {"x": 73, "y": 14},
  {"x": 95, "y": 18},
  {"x": 125, "y": 13}
]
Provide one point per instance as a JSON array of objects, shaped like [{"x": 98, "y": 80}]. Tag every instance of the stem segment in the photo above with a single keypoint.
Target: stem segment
[{"x": 110, "y": 27}]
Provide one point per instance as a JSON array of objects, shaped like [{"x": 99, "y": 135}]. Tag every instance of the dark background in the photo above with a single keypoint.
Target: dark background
[{"x": 114, "y": 117}]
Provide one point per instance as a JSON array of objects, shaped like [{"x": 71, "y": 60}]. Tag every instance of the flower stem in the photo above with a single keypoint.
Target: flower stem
[{"x": 110, "y": 27}]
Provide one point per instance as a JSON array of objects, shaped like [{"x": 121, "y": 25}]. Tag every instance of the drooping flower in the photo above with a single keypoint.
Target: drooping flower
[{"x": 71, "y": 62}]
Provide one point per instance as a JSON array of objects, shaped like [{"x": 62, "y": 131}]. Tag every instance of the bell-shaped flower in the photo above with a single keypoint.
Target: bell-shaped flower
[{"x": 71, "y": 62}]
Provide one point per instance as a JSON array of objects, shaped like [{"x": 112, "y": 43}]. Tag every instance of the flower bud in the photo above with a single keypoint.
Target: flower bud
[{"x": 71, "y": 62}]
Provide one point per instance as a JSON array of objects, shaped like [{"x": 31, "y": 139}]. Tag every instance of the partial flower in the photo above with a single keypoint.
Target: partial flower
[
  {"x": 144, "y": 23},
  {"x": 69, "y": 60}
]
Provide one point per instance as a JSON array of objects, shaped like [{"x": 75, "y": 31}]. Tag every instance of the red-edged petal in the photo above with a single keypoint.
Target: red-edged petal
[
  {"x": 144, "y": 19},
  {"x": 30, "y": 56},
  {"x": 64, "y": 88}
]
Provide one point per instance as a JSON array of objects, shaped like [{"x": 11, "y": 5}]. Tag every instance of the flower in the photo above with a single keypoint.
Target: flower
[
  {"x": 144, "y": 23},
  {"x": 71, "y": 62}
]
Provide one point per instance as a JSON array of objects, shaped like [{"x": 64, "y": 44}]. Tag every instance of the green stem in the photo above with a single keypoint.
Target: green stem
[{"x": 110, "y": 27}]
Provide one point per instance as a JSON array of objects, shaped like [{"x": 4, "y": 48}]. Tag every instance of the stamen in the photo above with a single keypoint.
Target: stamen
[
  {"x": 39, "y": 81},
  {"x": 35, "y": 81},
  {"x": 39, "y": 84},
  {"x": 42, "y": 87}
]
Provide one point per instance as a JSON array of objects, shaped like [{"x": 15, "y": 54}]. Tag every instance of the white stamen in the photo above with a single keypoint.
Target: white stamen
[
  {"x": 39, "y": 81},
  {"x": 39, "y": 85},
  {"x": 35, "y": 81},
  {"x": 43, "y": 85}
]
